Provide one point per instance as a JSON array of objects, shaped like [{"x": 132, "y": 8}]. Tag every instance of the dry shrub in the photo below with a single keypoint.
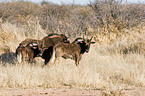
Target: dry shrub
[
  {"x": 135, "y": 41},
  {"x": 52, "y": 16},
  {"x": 12, "y": 10},
  {"x": 121, "y": 15},
  {"x": 75, "y": 20},
  {"x": 126, "y": 41},
  {"x": 11, "y": 35},
  {"x": 80, "y": 20}
]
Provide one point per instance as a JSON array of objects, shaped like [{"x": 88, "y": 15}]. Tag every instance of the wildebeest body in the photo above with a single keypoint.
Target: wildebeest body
[
  {"x": 66, "y": 50},
  {"x": 74, "y": 51},
  {"x": 31, "y": 48},
  {"x": 26, "y": 52},
  {"x": 47, "y": 43}
]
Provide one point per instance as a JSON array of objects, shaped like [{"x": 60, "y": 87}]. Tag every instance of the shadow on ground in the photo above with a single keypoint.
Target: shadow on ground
[{"x": 9, "y": 58}]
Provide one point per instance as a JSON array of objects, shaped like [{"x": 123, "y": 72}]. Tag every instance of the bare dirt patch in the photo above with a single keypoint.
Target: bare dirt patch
[
  {"x": 48, "y": 92},
  {"x": 70, "y": 92},
  {"x": 134, "y": 92}
]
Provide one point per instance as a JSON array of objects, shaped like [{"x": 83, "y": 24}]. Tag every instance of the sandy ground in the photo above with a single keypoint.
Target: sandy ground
[{"x": 70, "y": 92}]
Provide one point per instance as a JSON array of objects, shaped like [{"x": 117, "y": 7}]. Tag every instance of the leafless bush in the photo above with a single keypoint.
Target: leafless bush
[
  {"x": 80, "y": 19},
  {"x": 18, "y": 12},
  {"x": 118, "y": 14},
  {"x": 75, "y": 20},
  {"x": 52, "y": 15}
]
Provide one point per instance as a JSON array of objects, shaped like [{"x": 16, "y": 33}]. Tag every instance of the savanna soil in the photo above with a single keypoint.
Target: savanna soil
[{"x": 138, "y": 91}]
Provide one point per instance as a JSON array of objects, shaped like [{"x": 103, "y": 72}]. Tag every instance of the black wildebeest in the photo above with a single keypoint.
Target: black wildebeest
[
  {"x": 31, "y": 48},
  {"x": 27, "y": 51},
  {"x": 47, "y": 45},
  {"x": 74, "y": 51}
]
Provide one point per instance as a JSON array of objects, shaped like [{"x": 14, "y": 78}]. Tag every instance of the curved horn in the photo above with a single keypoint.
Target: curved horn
[
  {"x": 91, "y": 38},
  {"x": 43, "y": 44},
  {"x": 37, "y": 42},
  {"x": 84, "y": 38}
]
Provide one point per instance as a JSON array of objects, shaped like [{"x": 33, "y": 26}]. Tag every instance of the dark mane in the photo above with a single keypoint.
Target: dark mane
[{"x": 51, "y": 34}]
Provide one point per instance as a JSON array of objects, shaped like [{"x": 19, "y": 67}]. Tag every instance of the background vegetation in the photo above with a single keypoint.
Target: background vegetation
[{"x": 115, "y": 62}]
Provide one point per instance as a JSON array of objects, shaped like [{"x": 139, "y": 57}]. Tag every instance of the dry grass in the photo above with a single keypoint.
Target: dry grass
[
  {"x": 11, "y": 35},
  {"x": 115, "y": 62},
  {"x": 106, "y": 66}
]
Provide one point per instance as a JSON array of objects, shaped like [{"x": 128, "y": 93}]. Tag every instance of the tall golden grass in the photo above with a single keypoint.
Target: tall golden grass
[{"x": 113, "y": 64}]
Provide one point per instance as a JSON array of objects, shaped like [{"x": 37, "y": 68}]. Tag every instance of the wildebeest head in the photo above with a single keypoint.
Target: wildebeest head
[
  {"x": 37, "y": 46},
  {"x": 85, "y": 44},
  {"x": 21, "y": 54},
  {"x": 25, "y": 53}
]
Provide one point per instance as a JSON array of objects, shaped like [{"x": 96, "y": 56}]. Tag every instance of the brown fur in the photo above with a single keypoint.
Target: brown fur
[
  {"x": 27, "y": 51},
  {"x": 31, "y": 48},
  {"x": 48, "y": 43},
  {"x": 74, "y": 51}
]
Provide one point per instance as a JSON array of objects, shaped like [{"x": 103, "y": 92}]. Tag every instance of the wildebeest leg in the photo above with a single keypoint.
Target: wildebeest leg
[
  {"x": 19, "y": 57},
  {"x": 54, "y": 56},
  {"x": 46, "y": 61},
  {"x": 80, "y": 57},
  {"x": 47, "y": 55},
  {"x": 31, "y": 60},
  {"x": 76, "y": 60}
]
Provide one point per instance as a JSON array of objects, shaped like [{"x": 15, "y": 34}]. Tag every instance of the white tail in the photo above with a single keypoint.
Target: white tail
[
  {"x": 19, "y": 57},
  {"x": 53, "y": 56}
]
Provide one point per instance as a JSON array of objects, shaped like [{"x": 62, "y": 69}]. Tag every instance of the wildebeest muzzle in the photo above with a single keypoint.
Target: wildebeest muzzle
[{"x": 87, "y": 48}]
